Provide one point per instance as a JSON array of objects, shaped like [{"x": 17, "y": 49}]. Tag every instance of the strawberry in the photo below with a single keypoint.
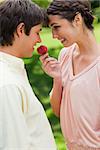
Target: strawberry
[{"x": 42, "y": 49}]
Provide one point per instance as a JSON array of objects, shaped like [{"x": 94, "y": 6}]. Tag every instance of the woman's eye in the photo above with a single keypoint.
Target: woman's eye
[{"x": 56, "y": 27}]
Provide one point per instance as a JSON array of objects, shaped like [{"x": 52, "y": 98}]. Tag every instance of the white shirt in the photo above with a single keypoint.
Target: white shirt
[{"x": 23, "y": 122}]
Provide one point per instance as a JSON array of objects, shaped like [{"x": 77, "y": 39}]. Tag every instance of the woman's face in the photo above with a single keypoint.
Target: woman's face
[{"x": 63, "y": 30}]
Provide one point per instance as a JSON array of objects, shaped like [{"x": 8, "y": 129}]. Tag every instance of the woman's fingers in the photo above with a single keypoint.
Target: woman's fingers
[
  {"x": 43, "y": 57},
  {"x": 49, "y": 61},
  {"x": 50, "y": 65}
]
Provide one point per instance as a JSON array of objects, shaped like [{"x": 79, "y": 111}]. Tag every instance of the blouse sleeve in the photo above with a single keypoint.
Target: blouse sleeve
[
  {"x": 66, "y": 52},
  {"x": 62, "y": 54}
]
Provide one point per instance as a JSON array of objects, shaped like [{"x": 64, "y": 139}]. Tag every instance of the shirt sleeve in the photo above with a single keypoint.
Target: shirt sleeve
[{"x": 13, "y": 128}]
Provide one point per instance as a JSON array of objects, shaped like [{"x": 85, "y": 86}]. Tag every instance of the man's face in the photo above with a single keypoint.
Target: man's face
[{"x": 27, "y": 42}]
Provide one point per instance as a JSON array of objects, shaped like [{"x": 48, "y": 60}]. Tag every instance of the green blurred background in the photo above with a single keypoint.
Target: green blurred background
[{"x": 40, "y": 82}]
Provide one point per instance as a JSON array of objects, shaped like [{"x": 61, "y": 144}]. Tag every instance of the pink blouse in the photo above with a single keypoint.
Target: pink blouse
[{"x": 80, "y": 105}]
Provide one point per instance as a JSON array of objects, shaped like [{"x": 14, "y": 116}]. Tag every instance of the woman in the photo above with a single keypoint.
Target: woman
[{"x": 75, "y": 95}]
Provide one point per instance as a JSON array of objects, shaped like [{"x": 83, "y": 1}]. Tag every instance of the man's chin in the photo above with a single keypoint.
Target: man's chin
[{"x": 28, "y": 55}]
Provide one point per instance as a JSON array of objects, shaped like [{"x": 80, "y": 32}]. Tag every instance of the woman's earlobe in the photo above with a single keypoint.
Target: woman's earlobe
[{"x": 78, "y": 19}]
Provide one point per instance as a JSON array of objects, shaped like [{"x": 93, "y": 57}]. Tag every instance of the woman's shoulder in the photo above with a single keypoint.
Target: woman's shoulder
[
  {"x": 99, "y": 55},
  {"x": 66, "y": 51},
  {"x": 98, "y": 62},
  {"x": 99, "y": 46}
]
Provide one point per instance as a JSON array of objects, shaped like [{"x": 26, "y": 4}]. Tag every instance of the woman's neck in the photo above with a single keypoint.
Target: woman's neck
[{"x": 88, "y": 45}]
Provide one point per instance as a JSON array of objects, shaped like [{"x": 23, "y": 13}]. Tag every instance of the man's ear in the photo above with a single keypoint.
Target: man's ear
[
  {"x": 78, "y": 20},
  {"x": 20, "y": 29}
]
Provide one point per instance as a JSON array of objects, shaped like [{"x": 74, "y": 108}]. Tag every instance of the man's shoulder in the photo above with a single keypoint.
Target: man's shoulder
[{"x": 6, "y": 75}]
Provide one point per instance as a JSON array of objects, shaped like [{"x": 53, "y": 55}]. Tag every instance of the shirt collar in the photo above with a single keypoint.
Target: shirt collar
[{"x": 11, "y": 60}]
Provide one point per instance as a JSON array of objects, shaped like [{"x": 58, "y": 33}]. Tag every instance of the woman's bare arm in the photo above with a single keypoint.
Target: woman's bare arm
[{"x": 52, "y": 67}]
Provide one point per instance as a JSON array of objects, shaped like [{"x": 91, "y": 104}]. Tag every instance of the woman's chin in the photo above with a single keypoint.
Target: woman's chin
[{"x": 67, "y": 45}]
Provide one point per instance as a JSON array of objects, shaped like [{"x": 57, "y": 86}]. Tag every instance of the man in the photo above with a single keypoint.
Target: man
[{"x": 23, "y": 123}]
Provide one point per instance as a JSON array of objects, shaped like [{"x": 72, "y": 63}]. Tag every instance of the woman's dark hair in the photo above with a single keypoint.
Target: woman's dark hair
[
  {"x": 69, "y": 8},
  {"x": 14, "y": 12}
]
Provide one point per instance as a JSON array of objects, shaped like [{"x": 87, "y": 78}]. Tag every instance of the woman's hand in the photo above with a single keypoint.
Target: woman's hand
[{"x": 51, "y": 66}]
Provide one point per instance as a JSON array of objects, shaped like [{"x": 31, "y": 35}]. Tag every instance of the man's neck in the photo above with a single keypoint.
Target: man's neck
[{"x": 9, "y": 50}]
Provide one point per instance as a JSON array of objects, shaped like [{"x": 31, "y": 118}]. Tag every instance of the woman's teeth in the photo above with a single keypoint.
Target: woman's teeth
[{"x": 62, "y": 40}]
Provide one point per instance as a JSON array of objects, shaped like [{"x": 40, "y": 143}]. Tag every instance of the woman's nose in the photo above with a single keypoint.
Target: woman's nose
[{"x": 54, "y": 35}]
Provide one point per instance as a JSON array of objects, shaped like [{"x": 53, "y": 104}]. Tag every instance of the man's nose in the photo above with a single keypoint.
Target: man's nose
[{"x": 39, "y": 40}]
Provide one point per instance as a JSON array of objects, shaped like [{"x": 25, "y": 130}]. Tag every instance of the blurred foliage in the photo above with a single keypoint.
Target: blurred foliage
[
  {"x": 97, "y": 14},
  {"x": 95, "y": 3},
  {"x": 41, "y": 85},
  {"x": 42, "y": 3},
  {"x": 96, "y": 9}
]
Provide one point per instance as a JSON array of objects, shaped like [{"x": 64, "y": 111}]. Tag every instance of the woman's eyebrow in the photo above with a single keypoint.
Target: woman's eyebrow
[{"x": 53, "y": 24}]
